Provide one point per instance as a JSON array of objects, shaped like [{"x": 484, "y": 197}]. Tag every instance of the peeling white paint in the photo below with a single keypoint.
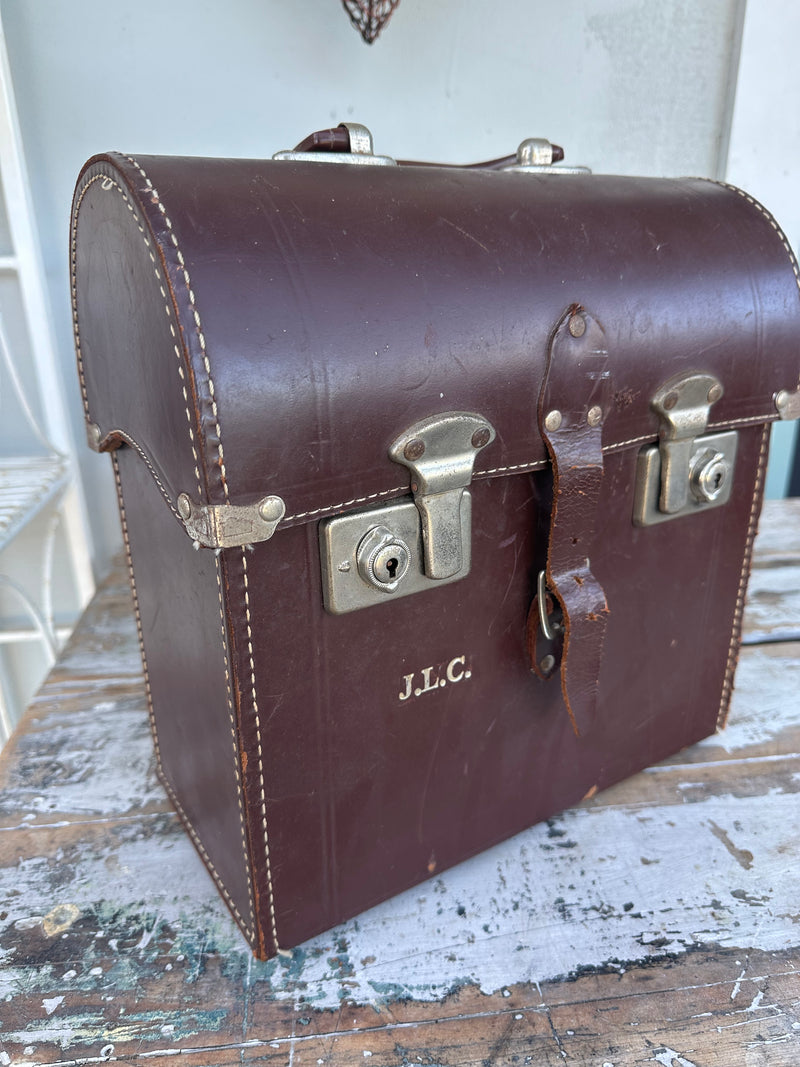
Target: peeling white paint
[
  {"x": 737, "y": 985},
  {"x": 533, "y": 910},
  {"x": 669, "y": 1058},
  {"x": 756, "y": 1002},
  {"x": 617, "y": 885},
  {"x": 766, "y": 701}
]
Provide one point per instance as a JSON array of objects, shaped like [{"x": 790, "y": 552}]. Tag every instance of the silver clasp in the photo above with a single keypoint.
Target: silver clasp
[
  {"x": 689, "y": 469},
  {"x": 440, "y": 452}
]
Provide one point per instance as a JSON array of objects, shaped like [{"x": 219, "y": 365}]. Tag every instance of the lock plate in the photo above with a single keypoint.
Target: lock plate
[
  {"x": 709, "y": 477},
  {"x": 344, "y": 586}
]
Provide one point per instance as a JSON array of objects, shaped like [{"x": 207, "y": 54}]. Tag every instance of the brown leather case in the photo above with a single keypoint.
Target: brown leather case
[{"x": 254, "y": 338}]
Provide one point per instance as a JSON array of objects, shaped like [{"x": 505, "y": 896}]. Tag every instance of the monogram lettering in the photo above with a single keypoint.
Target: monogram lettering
[{"x": 454, "y": 672}]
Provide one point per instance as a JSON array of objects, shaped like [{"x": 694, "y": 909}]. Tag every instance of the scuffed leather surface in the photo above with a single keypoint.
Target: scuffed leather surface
[
  {"x": 334, "y": 308},
  {"x": 368, "y": 795},
  {"x": 577, "y": 379},
  {"x": 330, "y": 293},
  {"x": 188, "y": 675}
]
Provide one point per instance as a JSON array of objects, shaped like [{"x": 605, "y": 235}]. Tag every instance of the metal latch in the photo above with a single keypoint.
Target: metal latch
[
  {"x": 440, "y": 452},
  {"x": 398, "y": 549},
  {"x": 230, "y": 525},
  {"x": 688, "y": 469}
]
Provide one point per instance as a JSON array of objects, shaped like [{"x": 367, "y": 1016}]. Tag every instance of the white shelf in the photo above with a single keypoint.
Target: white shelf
[
  {"x": 46, "y": 576},
  {"x": 30, "y": 634},
  {"x": 27, "y": 484}
]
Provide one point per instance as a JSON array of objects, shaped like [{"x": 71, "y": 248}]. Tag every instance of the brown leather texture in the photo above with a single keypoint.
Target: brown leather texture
[
  {"x": 577, "y": 395},
  {"x": 247, "y": 328}
]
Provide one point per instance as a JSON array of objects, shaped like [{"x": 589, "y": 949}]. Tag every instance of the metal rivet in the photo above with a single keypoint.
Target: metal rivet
[
  {"x": 93, "y": 432},
  {"x": 595, "y": 415},
  {"x": 271, "y": 509},
  {"x": 184, "y": 506},
  {"x": 781, "y": 399},
  {"x": 553, "y": 420},
  {"x": 577, "y": 325},
  {"x": 414, "y": 449},
  {"x": 714, "y": 393},
  {"x": 547, "y": 663},
  {"x": 670, "y": 400},
  {"x": 481, "y": 437}
]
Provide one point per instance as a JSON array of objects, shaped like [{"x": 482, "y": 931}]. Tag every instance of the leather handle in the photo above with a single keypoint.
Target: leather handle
[{"x": 574, "y": 402}]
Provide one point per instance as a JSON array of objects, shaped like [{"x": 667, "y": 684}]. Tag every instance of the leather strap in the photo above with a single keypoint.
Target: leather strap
[{"x": 573, "y": 405}]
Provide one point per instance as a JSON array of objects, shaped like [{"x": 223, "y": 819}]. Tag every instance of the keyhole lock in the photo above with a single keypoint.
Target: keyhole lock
[
  {"x": 383, "y": 559},
  {"x": 710, "y": 475}
]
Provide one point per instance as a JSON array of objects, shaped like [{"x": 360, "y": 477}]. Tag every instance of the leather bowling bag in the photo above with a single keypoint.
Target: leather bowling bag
[{"x": 439, "y": 488}]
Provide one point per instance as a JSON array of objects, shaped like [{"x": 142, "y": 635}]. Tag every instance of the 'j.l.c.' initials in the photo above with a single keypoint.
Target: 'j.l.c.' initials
[{"x": 455, "y": 671}]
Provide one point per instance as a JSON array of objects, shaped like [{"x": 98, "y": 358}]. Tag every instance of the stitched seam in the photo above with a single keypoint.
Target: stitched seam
[
  {"x": 108, "y": 184},
  {"x": 773, "y": 223},
  {"x": 248, "y": 931},
  {"x": 156, "y": 200},
  {"x": 73, "y": 287},
  {"x": 533, "y": 465},
  {"x": 733, "y": 649},
  {"x": 262, "y": 788},
  {"x": 750, "y": 420},
  {"x": 347, "y": 503},
  {"x": 232, "y": 720},
  {"x": 755, "y": 420}
]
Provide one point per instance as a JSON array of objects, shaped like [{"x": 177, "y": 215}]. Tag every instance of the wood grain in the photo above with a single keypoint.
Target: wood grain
[{"x": 657, "y": 923}]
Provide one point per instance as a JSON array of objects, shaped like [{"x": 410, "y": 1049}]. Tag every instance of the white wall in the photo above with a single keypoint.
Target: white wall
[
  {"x": 627, "y": 86},
  {"x": 765, "y": 149}
]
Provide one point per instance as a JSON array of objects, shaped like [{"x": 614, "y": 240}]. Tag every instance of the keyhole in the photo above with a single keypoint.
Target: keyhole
[
  {"x": 391, "y": 566},
  {"x": 719, "y": 478}
]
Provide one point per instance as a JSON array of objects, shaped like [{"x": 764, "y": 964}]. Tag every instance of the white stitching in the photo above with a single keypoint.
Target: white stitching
[
  {"x": 108, "y": 184},
  {"x": 232, "y": 718},
  {"x": 770, "y": 219},
  {"x": 248, "y": 931},
  {"x": 773, "y": 223},
  {"x": 535, "y": 464},
  {"x": 532, "y": 465},
  {"x": 262, "y": 787},
  {"x": 632, "y": 441},
  {"x": 346, "y": 503},
  {"x": 733, "y": 649},
  {"x": 750, "y": 420},
  {"x": 156, "y": 199}
]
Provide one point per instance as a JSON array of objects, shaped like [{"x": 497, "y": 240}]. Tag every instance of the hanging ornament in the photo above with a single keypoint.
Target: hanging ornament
[{"x": 369, "y": 16}]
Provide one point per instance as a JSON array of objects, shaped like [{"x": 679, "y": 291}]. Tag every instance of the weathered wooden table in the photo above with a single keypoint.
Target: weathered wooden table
[{"x": 658, "y": 923}]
